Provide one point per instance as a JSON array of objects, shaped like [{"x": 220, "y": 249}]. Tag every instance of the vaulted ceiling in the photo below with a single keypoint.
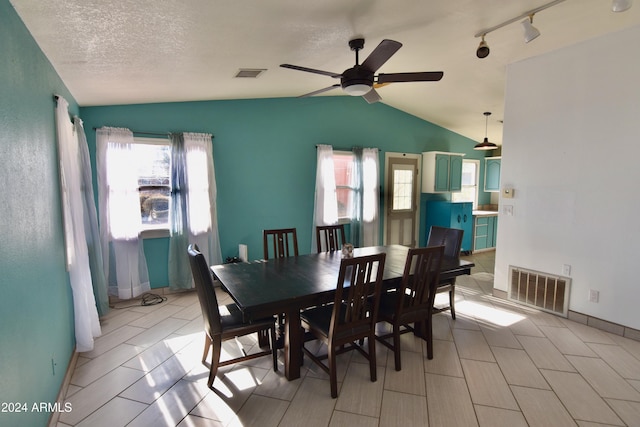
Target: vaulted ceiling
[{"x": 142, "y": 51}]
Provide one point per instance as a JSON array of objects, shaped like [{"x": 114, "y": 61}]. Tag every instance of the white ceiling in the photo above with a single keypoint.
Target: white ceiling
[{"x": 144, "y": 51}]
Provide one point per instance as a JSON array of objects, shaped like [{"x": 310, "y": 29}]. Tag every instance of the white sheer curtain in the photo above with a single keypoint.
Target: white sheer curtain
[
  {"x": 87, "y": 324},
  {"x": 370, "y": 197},
  {"x": 91, "y": 222},
  {"x": 195, "y": 217},
  {"x": 123, "y": 256},
  {"x": 325, "y": 210}
]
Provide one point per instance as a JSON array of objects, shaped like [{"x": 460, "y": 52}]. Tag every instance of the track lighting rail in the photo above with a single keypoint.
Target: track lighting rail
[{"x": 517, "y": 18}]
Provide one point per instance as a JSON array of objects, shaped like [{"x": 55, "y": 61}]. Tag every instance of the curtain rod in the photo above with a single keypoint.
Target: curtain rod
[
  {"x": 517, "y": 18},
  {"x": 340, "y": 148},
  {"x": 140, "y": 132}
]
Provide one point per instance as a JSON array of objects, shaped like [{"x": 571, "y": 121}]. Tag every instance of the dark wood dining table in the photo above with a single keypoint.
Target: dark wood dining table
[{"x": 289, "y": 285}]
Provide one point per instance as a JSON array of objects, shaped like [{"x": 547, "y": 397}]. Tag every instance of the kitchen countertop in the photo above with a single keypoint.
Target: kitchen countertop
[{"x": 484, "y": 213}]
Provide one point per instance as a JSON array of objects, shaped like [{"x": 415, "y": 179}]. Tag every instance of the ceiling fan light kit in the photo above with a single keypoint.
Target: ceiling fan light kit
[
  {"x": 356, "y": 89},
  {"x": 360, "y": 79},
  {"x": 531, "y": 32}
]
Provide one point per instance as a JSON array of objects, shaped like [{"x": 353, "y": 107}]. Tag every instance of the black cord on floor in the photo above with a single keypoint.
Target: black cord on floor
[{"x": 146, "y": 299}]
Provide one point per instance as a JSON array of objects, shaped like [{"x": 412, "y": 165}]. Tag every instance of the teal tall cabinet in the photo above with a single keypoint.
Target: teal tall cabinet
[{"x": 452, "y": 215}]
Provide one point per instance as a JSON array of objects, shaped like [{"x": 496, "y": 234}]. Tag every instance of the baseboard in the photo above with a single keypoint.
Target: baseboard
[
  {"x": 55, "y": 415},
  {"x": 585, "y": 319}
]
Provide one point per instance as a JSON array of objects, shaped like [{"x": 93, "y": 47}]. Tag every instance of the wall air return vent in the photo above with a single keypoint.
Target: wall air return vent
[
  {"x": 251, "y": 73},
  {"x": 543, "y": 291}
]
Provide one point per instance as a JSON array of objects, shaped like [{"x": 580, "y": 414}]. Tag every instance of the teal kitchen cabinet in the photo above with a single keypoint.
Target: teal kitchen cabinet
[
  {"x": 452, "y": 215},
  {"x": 492, "y": 174},
  {"x": 441, "y": 172},
  {"x": 485, "y": 229}
]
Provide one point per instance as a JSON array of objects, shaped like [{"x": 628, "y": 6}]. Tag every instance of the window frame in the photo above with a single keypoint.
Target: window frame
[{"x": 159, "y": 230}]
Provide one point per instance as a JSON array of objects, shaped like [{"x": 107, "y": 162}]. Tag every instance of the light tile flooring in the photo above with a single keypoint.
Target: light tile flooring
[{"x": 498, "y": 364}]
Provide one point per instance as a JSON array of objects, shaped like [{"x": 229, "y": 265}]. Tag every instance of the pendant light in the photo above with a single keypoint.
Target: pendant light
[{"x": 485, "y": 145}]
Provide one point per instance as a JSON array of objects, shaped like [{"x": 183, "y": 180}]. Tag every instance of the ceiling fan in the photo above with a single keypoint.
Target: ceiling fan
[{"x": 360, "y": 80}]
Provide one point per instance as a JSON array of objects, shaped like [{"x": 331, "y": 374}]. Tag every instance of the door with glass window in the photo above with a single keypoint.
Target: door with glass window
[{"x": 401, "y": 204}]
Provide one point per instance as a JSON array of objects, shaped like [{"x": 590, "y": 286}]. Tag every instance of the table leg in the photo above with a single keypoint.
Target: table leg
[{"x": 292, "y": 345}]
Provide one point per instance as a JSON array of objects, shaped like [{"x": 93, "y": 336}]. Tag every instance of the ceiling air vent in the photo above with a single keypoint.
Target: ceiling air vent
[{"x": 250, "y": 72}]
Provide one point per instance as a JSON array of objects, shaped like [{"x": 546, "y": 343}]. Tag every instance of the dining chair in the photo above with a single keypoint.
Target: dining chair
[
  {"x": 352, "y": 316},
  {"x": 226, "y": 324},
  {"x": 451, "y": 239},
  {"x": 332, "y": 236},
  {"x": 412, "y": 301},
  {"x": 284, "y": 242}
]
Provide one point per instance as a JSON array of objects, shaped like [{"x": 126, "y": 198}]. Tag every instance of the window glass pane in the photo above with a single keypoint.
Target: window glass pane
[
  {"x": 402, "y": 189},
  {"x": 469, "y": 173},
  {"x": 154, "y": 181},
  {"x": 344, "y": 202},
  {"x": 469, "y": 192},
  {"x": 343, "y": 169}
]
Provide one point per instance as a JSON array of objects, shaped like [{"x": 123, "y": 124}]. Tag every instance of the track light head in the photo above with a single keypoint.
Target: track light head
[
  {"x": 483, "y": 49},
  {"x": 621, "y": 5},
  {"x": 530, "y": 32}
]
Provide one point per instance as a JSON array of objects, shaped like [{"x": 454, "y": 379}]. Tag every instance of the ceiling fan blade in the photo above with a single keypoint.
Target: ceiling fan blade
[
  {"x": 372, "y": 96},
  {"x": 315, "y": 92},
  {"x": 427, "y": 76},
  {"x": 381, "y": 54},
  {"x": 311, "y": 70}
]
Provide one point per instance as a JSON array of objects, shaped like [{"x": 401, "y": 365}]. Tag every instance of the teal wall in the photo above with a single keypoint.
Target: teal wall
[
  {"x": 265, "y": 157},
  {"x": 36, "y": 311}
]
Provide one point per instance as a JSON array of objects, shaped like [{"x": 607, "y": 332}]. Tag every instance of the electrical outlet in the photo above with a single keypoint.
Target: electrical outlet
[
  {"x": 566, "y": 270},
  {"x": 594, "y": 295}
]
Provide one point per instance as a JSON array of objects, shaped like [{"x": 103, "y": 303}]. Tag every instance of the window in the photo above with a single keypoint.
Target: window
[
  {"x": 345, "y": 188},
  {"x": 153, "y": 157},
  {"x": 469, "y": 192},
  {"x": 402, "y": 187}
]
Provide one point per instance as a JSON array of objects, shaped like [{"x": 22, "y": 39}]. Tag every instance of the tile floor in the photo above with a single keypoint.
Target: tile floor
[{"x": 498, "y": 364}]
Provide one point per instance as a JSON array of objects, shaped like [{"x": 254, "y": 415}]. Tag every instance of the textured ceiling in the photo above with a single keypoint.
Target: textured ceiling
[{"x": 142, "y": 51}]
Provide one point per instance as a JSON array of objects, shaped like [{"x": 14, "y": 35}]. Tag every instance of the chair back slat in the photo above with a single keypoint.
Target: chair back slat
[
  {"x": 206, "y": 292},
  {"x": 284, "y": 242},
  {"x": 330, "y": 238},
  {"x": 357, "y": 296},
  {"x": 450, "y": 238},
  {"x": 419, "y": 281}
]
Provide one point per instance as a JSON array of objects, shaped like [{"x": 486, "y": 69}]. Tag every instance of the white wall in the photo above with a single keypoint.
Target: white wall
[{"x": 572, "y": 153}]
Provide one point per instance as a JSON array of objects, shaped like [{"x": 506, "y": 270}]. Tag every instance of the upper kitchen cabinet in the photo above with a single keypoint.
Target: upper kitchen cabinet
[
  {"x": 441, "y": 172},
  {"x": 492, "y": 174}
]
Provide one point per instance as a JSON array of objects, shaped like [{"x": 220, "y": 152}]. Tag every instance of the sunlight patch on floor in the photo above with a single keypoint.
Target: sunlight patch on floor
[{"x": 488, "y": 314}]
